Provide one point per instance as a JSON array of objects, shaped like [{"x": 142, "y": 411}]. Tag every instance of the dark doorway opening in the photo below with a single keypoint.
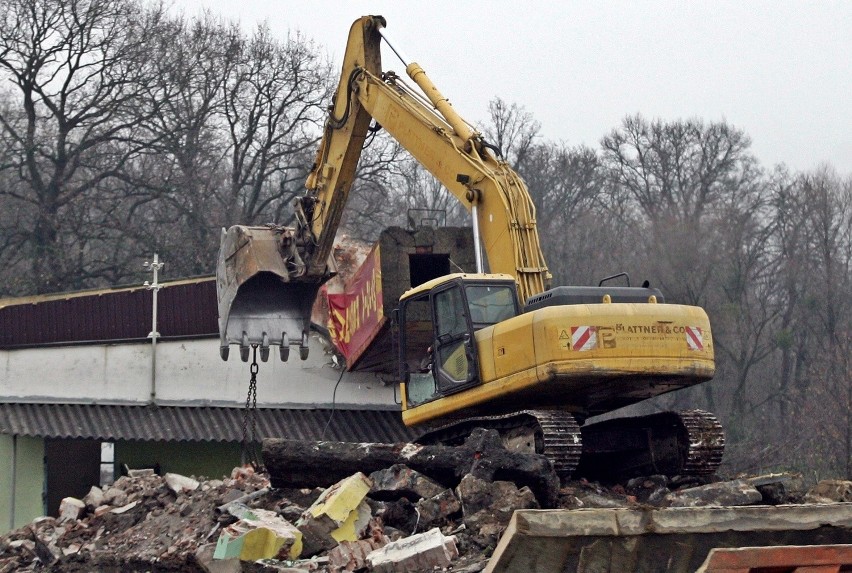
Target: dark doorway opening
[
  {"x": 72, "y": 468},
  {"x": 425, "y": 267}
]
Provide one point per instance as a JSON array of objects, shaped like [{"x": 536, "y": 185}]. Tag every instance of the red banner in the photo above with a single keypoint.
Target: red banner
[{"x": 356, "y": 315}]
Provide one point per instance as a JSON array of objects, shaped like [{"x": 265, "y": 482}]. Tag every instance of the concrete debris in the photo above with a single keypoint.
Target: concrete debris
[
  {"x": 491, "y": 503},
  {"x": 94, "y": 498},
  {"x": 259, "y": 534},
  {"x": 71, "y": 508},
  {"x": 115, "y": 495},
  {"x": 601, "y": 501},
  {"x": 830, "y": 491},
  {"x": 178, "y": 523},
  {"x": 178, "y": 483},
  {"x": 778, "y": 488},
  {"x": 401, "y": 481},
  {"x": 339, "y": 514},
  {"x": 421, "y": 552},
  {"x": 437, "y": 509},
  {"x": 651, "y": 489},
  {"x": 729, "y": 493}
]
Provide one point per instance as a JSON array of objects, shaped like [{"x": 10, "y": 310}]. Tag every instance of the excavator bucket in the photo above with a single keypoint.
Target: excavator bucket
[{"x": 260, "y": 303}]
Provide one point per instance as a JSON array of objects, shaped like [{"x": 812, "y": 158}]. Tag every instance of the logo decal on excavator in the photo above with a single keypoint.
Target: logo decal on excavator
[
  {"x": 694, "y": 338},
  {"x": 584, "y": 338}
]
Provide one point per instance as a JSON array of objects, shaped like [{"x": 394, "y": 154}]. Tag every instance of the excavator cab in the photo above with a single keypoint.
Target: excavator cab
[{"x": 438, "y": 354}]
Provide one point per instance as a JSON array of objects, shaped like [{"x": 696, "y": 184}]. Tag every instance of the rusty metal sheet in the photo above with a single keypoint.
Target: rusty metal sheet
[
  {"x": 184, "y": 308},
  {"x": 788, "y": 558}
]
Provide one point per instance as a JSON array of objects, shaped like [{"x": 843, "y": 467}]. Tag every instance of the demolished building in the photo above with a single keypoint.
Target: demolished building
[{"x": 83, "y": 391}]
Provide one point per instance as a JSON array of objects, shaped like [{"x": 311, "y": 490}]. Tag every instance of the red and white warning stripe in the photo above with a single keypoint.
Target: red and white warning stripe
[
  {"x": 694, "y": 338},
  {"x": 584, "y": 337}
]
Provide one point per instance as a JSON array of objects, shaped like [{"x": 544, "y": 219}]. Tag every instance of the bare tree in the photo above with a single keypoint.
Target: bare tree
[
  {"x": 274, "y": 100},
  {"x": 512, "y": 129},
  {"x": 171, "y": 199},
  {"x": 76, "y": 68},
  {"x": 814, "y": 222}
]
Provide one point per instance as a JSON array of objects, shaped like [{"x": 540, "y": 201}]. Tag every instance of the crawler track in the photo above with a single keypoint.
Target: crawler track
[
  {"x": 706, "y": 442},
  {"x": 553, "y": 433},
  {"x": 690, "y": 442}
]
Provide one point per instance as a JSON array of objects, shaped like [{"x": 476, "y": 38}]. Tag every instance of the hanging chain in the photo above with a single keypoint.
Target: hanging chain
[{"x": 248, "y": 446}]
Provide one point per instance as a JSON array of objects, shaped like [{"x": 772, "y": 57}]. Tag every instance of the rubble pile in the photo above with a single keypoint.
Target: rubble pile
[{"x": 393, "y": 519}]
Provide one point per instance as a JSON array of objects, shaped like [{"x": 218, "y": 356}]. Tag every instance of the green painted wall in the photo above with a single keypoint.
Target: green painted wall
[
  {"x": 29, "y": 482},
  {"x": 213, "y": 460}
]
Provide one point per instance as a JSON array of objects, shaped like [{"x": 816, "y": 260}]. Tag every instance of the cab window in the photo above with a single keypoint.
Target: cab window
[
  {"x": 417, "y": 330},
  {"x": 490, "y": 304},
  {"x": 453, "y": 354}
]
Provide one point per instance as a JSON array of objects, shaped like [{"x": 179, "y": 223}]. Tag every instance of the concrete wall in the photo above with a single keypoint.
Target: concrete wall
[
  {"x": 188, "y": 372},
  {"x": 651, "y": 540},
  {"x": 26, "y": 457},
  {"x": 398, "y": 245}
]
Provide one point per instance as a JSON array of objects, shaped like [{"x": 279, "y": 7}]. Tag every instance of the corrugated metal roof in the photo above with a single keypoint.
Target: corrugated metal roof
[
  {"x": 197, "y": 424},
  {"x": 184, "y": 308}
]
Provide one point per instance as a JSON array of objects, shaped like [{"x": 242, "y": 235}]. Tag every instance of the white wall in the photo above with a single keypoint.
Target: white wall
[{"x": 187, "y": 372}]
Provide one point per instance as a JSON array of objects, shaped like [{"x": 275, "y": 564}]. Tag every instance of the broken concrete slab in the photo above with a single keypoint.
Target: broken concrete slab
[
  {"x": 339, "y": 514},
  {"x": 645, "y": 540},
  {"x": 71, "y": 508},
  {"x": 491, "y": 503},
  {"x": 94, "y": 498},
  {"x": 830, "y": 491},
  {"x": 437, "y": 509},
  {"x": 179, "y": 484},
  {"x": 399, "y": 481},
  {"x": 262, "y": 534},
  {"x": 423, "y": 551},
  {"x": 721, "y": 494}
]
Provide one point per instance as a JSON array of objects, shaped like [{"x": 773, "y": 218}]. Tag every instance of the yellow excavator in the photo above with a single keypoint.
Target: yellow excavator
[{"x": 497, "y": 348}]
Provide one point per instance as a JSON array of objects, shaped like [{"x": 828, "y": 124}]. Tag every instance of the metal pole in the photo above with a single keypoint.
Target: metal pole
[
  {"x": 477, "y": 251},
  {"x": 154, "y": 286},
  {"x": 14, "y": 480}
]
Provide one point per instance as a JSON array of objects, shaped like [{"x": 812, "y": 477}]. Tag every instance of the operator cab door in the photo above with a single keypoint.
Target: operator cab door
[{"x": 454, "y": 362}]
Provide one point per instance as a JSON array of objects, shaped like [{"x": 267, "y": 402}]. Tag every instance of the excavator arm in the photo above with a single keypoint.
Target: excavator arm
[
  {"x": 255, "y": 261},
  {"x": 431, "y": 130}
]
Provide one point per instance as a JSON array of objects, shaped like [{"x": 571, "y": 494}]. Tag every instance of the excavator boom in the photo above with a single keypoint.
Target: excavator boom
[{"x": 265, "y": 301}]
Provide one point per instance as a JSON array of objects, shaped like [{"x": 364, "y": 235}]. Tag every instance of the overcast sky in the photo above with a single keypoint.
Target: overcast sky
[{"x": 781, "y": 71}]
